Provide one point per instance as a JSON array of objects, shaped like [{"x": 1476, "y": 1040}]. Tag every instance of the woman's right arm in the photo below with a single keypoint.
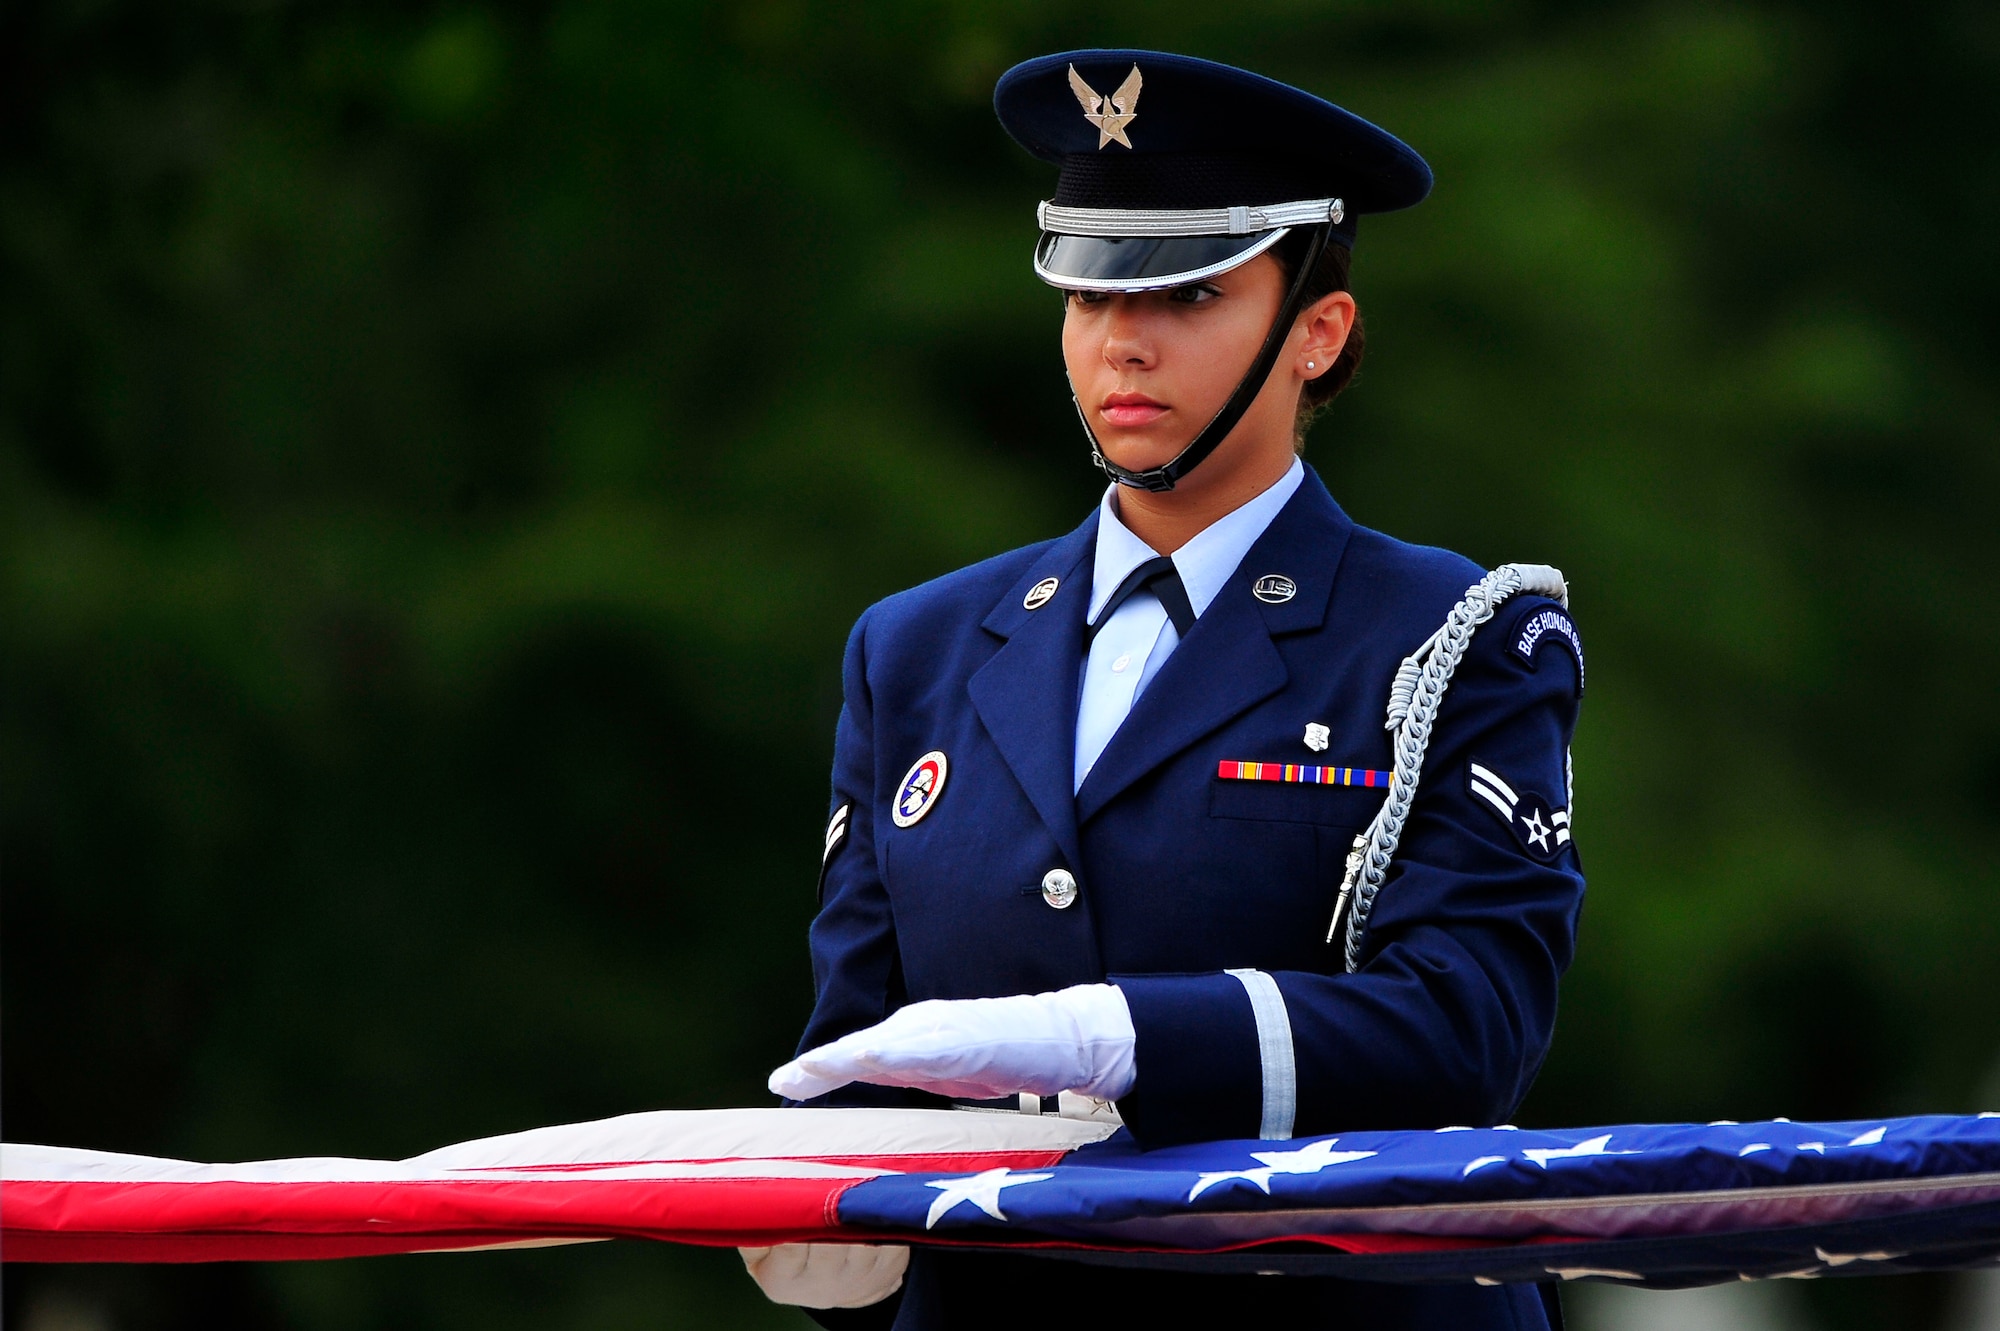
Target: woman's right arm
[
  {"x": 857, "y": 981},
  {"x": 857, "y": 973}
]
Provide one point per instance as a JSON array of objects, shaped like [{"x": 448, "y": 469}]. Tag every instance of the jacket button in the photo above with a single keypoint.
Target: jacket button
[{"x": 1059, "y": 888}]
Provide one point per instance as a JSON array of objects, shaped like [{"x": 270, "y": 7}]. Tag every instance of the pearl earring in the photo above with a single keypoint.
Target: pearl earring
[{"x": 1309, "y": 365}]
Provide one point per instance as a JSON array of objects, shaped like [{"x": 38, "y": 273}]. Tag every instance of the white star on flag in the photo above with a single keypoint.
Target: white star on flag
[
  {"x": 1309, "y": 1159},
  {"x": 982, "y": 1190},
  {"x": 1595, "y": 1146}
]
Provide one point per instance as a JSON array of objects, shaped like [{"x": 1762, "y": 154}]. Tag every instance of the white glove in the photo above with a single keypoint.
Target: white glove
[
  {"x": 1077, "y": 1039},
  {"x": 827, "y": 1275}
]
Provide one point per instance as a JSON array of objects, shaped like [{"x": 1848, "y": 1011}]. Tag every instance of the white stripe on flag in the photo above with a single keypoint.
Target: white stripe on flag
[{"x": 664, "y": 1144}]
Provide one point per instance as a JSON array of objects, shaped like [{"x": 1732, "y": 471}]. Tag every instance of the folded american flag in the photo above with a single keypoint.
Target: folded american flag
[{"x": 1658, "y": 1204}]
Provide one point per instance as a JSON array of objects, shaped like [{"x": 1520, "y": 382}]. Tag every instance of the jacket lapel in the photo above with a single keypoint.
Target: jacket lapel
[
  {"x": 1026, "y": 695},
  {"x": 1228, "y": 662}
]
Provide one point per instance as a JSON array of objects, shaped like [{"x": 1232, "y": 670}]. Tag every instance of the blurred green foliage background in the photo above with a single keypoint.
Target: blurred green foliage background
[{"x": 443, "y": 445}]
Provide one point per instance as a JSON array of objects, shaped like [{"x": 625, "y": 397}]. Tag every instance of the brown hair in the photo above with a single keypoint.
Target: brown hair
[{"x": 1329, "y": 275}]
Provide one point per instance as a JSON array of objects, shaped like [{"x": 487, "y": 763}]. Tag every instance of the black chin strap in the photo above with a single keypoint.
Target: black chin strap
[{"x": 1165, "y": 476}]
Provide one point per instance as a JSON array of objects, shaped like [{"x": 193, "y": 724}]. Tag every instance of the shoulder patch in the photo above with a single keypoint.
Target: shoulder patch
[
  {"x": 1550, "y": 623},
  {"x": 1542, "y": 829}
]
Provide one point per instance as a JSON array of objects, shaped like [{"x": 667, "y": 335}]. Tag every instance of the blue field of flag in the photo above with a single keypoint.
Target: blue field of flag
[{"x": 1656, "y": 1204}]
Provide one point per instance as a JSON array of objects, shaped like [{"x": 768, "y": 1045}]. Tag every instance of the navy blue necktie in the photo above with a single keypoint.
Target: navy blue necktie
[{"x": 1164, "y": 580}]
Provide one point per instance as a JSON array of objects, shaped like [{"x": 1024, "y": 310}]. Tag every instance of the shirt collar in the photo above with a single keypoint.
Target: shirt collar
[{"x": 1205, "y": 562}]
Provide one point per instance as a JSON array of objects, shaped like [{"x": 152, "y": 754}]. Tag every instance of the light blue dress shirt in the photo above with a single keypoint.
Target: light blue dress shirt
[{"x": 1130, "y": 649}]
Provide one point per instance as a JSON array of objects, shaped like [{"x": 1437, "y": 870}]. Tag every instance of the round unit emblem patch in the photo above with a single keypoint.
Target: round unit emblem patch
[
  {"x": 1275, "y": 589},
  {"x": 922, "y": 785},
  {"x": 1039, "y": 594}
]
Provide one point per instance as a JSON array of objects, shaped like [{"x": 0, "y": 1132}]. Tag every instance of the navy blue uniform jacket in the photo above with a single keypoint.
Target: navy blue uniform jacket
[{"x": 1183, "y": 874}]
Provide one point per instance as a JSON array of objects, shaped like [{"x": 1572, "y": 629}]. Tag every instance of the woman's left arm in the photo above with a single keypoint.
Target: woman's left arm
[{"x": 1451, "y": 1012}]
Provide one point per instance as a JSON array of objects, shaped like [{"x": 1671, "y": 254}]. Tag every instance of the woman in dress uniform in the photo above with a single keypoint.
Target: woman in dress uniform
[{"x": 1097, "y": 801}]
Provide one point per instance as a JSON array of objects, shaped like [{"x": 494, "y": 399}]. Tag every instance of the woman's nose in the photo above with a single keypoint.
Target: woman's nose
[{"x": 1125, "y": 337}]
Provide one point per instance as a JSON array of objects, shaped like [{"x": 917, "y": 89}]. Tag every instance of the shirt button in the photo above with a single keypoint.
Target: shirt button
[
  {"x": 1059, "y": 888},
  {"x": 1118, "y": 666}
]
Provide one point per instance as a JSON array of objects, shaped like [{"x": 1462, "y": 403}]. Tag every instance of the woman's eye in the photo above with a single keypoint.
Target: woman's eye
[
  {"x": 1198, "y": 294},
  {"x": 1087, "y": 297}
]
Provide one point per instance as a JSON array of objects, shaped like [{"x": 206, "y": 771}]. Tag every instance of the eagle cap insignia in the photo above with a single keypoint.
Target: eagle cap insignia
[{"x": 1109, "y": 114}]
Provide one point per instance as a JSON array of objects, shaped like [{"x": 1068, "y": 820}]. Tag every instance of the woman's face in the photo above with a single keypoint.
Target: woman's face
[{"x": 1151, "y": 368}]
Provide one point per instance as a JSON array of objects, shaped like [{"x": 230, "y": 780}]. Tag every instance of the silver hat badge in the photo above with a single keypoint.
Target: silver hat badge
[{"x": 1111, "y": 119}]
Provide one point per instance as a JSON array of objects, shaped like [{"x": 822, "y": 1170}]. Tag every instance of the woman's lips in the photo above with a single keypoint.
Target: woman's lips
[{"x": 1131, "y": 409}]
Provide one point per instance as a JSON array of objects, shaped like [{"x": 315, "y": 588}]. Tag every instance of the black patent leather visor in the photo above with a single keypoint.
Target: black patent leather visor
[{"x": 1143, "y": 263}]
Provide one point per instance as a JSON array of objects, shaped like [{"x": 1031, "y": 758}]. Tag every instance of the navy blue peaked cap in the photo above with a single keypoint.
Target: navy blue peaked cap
[
  {"x": 1202, "y": 135},
  {"x": 1145, "y": 131}
]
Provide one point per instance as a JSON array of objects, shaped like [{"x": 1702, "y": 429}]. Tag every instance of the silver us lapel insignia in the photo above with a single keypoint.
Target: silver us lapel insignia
[{"x": 1274, "y": 589}]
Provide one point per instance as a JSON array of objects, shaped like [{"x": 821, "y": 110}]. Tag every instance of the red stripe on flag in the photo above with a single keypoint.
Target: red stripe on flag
[{"x": 229, "y": 1221}]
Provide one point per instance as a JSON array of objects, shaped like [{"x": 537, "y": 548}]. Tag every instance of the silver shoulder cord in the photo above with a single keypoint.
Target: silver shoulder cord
[{"x": 1413, "y": 706}]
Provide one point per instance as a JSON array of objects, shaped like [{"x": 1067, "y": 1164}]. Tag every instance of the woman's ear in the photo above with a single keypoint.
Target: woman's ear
[{"x": 1326, "y": 324}]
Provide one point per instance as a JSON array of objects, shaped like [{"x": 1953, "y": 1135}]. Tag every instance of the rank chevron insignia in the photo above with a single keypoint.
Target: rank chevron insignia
[
  {"x": 1542, "y": 829},
  {"x": 1111, "y": 119}
]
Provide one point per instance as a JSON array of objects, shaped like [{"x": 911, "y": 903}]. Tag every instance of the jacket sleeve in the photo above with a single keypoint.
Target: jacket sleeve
[
  {"x": 857, "y": 974},
  {"x": 1452, "y": 1010},
  {"x": 857, "y": 977}
]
